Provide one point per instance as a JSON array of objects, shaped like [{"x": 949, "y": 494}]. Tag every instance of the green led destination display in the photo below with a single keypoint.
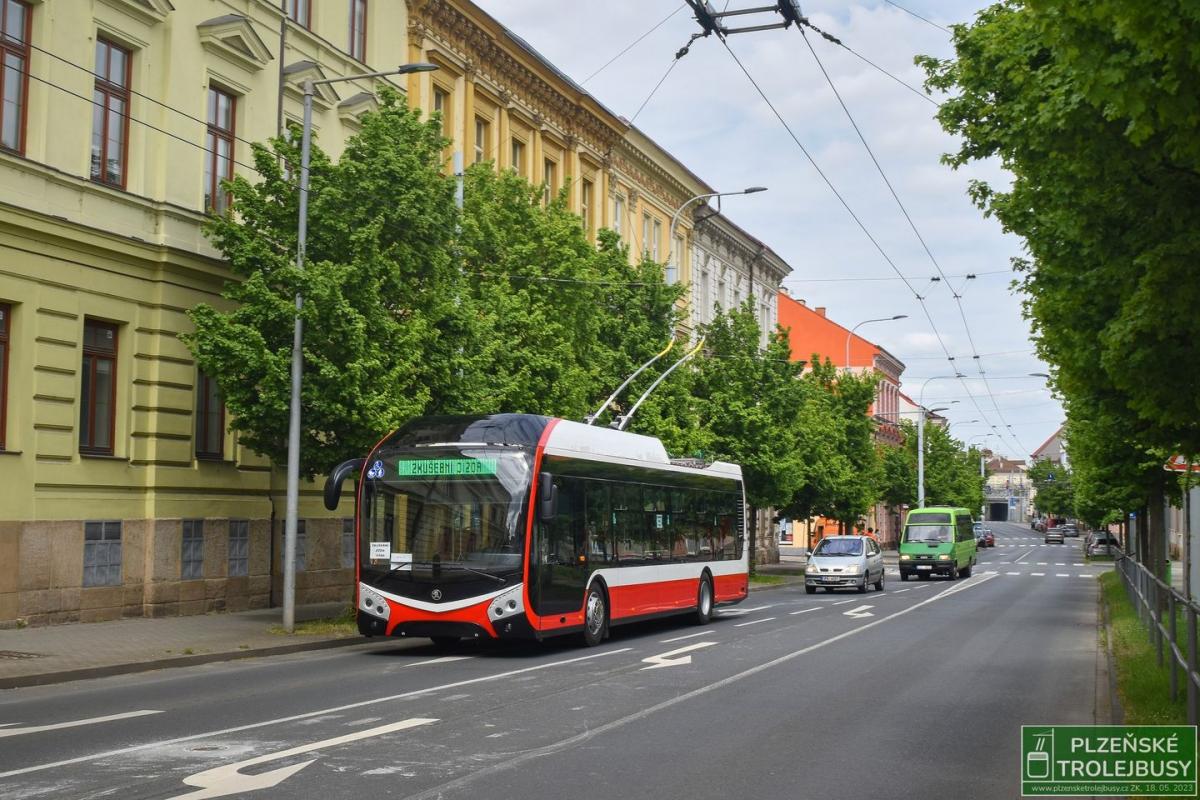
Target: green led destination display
[{"x": 449, "y": 467}]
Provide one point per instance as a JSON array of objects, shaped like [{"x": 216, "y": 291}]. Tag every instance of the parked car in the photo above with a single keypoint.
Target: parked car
[
  {"x": 1101, "y": 543},
  {"x": 844, "y": 562},
  {"x": 1054, "y": 535},
  {"x": 1040, "y": 526},
  {"x": 1070, "y": 529},
  {"x": 977, "y": 528}
]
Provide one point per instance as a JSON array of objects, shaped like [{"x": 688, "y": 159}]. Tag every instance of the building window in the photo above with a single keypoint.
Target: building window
[
  {"x": 645, "y": 234},
  {"x": 102, "y": 553},
  {"x": 358, "y": 29},
  {"x": 192, "y": 554},
  {"x": 348, "y": 542},
  {"x": 441, "y": 105},
  {"x": 239, "y": 547},
  {"x": 14, "y": 79},
  {"x": 618, "y": 213},
  {"x": 301, "y": 545},
  {"x": 722, "y": 297},
  {"x": 549, "y": 178},
  {"x": 703, "y": 305},
  {"x": 218, "y": 158},
  {"x": 300, "y": 11},
  {"x": 98, "y": 398},
  {"x": 518, "y": 157},
  {"x": 5, "y": 318},
  {"x": 483, "y": 140},
  {"x": 110, "y": 114},
  {"x": 585, "y": 205},
  {"x": 676, "y": 255},
  {"x": 210, "y": 419}
]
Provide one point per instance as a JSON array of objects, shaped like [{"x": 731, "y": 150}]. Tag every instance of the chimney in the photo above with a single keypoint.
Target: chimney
[
  {"x": 803, "y": 302},
  {"x": 820, "y": 310}
]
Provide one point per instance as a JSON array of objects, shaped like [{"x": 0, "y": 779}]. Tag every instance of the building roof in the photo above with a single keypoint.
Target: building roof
[
  {"x": 1054, "y": 436},
  {"x": 810, "y": 331}
]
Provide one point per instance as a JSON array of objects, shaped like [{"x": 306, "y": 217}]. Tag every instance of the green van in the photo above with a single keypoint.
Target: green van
[{"x": 937, "y": 541}]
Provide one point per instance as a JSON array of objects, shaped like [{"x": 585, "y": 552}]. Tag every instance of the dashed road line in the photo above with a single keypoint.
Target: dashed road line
[{"x": 753, "y": 622}]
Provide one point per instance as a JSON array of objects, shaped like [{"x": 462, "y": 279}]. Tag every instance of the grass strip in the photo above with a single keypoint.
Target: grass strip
[
  {"x": 342, "y": 625},
  {"x": 1144, "y": 686}
]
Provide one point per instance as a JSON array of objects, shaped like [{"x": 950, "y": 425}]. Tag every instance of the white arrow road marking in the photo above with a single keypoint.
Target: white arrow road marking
[
  {"x": 73, "y": 724},
  {"x": 669, "y": 659},
  {"x": 859, "y": 613},
  {"x": 226, "y": 780}
]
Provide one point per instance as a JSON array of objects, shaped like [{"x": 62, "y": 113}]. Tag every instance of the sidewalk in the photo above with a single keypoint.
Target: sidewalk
[{"x": 57, "y": 653}]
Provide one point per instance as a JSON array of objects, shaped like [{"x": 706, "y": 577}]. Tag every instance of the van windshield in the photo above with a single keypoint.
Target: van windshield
[
  {"x": 935, "y": 534},
  {"x": 839, "y": 547}
]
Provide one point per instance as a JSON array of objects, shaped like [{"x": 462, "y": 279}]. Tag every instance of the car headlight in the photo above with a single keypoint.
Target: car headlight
[
  {"x": 944, "y": 557},
  {"x": 905, "y": 557}
]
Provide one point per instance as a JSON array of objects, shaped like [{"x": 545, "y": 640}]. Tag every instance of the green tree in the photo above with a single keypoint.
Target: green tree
[
  {"x": 1055, "y": 488},
  {"x": 377, "y": 289}
]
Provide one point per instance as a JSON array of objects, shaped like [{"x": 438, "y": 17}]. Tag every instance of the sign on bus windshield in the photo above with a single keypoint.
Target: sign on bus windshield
[{"x": 445, "y": 467}]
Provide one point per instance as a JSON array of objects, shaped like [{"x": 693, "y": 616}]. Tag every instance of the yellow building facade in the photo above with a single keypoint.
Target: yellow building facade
[{"x": 123, "y": 492}]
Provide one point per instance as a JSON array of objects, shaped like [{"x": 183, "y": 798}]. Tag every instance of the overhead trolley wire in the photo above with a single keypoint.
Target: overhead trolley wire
[
  {"x": 920, "y": 238},
  {"x": 634, "y": 43},
  {"x": 918, "y": 16}
]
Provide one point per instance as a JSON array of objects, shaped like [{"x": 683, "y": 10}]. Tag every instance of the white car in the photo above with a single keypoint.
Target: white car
[{"x": 844, "y": 562}]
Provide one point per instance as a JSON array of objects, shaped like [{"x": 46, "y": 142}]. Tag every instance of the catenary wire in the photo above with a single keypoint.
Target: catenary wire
[
  {"x": 920, "y": 299},
  {"x": 634, "y": 43},
  {"x": 918, "y": 16},
  {"x": 920, "y": 238},
  {"x": 792, "y": 279}
]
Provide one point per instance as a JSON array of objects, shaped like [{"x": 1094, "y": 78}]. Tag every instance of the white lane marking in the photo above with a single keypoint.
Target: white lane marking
[
  {"x": 73, "y": 724},
  {"x": 753, "y": 622},
  {"x": 1012, "y": 573},
  {"x": 1026, "y": 554},
  {"x": 442, "y": 660},
  {"x": 926, "y": 586},
  {"x": 859, "y": 613},
  {"x": 1059, "y": 564},
  {"x": 843, "y": 602},
  {"x": 1086, "y": 575},
  {"x": 681, "y": 638},
  {"x": 308, "y": 714},
  {"x": 1038, "y": 574},
  {"x": 757, "y": 608},
  {"x": 674, "y": 658},
  {"x": 802, "y": 611},
  {"x": 1062, "y": 575},
  {"x": 450, "y": 787},
  {"x": 227, "y": 779},
  {"x": 1077, "y": 564},
  {"x": 898, "y": 591},
  {"x": 1042, "y": 564}
]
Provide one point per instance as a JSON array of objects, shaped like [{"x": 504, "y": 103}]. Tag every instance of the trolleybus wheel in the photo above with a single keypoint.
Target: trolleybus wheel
[
  {"x": 595, "y": 616},
  {"x": 704, "y": 601}
]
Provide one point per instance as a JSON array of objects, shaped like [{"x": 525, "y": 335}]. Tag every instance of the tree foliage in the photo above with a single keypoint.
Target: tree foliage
[{"x": 1093, "y": 110}]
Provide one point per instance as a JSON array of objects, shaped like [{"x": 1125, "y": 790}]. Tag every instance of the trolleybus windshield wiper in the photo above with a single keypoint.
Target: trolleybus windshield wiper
[{"x": 452, "y": 565}]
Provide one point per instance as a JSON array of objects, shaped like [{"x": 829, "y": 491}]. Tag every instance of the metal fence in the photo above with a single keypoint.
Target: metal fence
[{"x": 1160, "y": 606}]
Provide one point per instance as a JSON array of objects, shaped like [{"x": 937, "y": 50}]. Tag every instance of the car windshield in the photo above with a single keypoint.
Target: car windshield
[
  {"x": 839, "y": 547},
  {"x": 458, "y": 509},
  {"x": 935, "y": 534}
]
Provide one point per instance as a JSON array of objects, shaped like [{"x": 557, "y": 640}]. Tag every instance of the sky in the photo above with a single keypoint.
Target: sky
[{"x": 709, "y": 116}]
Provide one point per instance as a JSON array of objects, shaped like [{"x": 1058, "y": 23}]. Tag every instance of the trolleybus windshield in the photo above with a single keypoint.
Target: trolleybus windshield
[{"x": 455, "y": 512}]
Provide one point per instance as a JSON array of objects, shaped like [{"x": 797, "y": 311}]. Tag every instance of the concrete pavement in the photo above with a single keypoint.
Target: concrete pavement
[{"x": 914, "y": 692}]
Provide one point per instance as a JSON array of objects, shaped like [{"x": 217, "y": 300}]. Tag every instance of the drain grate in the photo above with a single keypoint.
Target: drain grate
[{"x": 14, "y": 655}]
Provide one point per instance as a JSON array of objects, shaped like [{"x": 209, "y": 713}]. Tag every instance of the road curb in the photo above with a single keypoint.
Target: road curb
[{"x": 86, "y": 673}]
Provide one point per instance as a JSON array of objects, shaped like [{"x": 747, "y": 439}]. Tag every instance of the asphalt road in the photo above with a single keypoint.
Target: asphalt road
[{"x": 915, "y": 692}]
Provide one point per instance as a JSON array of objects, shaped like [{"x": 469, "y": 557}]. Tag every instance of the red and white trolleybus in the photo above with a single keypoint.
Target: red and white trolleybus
[{"x": 523, "y": 526}]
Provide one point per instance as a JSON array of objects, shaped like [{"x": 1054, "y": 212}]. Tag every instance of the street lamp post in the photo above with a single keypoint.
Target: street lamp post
[
  {"x": 293, "y": 456},
  {"x": 864, "y": 322},
  {"x": 675, "y": 217},
  {"x": 921, "y": 412}
]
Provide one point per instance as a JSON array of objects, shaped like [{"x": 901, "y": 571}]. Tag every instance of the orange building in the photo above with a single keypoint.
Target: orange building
[{"x": 811, "y": 332}]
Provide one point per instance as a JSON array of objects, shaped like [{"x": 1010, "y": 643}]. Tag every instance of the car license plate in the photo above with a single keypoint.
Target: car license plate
[
  {"x": 830, "y": 578},
  {"x": 924, "y": 566}
]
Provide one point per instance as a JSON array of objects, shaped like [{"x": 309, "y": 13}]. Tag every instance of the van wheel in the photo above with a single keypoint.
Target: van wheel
[
  {"x": 704, "y": 601},
  {"x": 954, "y": 572},
  {"x": 966, "y": 573},
  {"x": 595, "y": 616}
]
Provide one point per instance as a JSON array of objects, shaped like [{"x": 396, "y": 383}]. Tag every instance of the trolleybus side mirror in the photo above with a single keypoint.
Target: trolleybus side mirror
[
  {"x": 333, "y": 484},
  {"x": 547, "y": 496}
]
